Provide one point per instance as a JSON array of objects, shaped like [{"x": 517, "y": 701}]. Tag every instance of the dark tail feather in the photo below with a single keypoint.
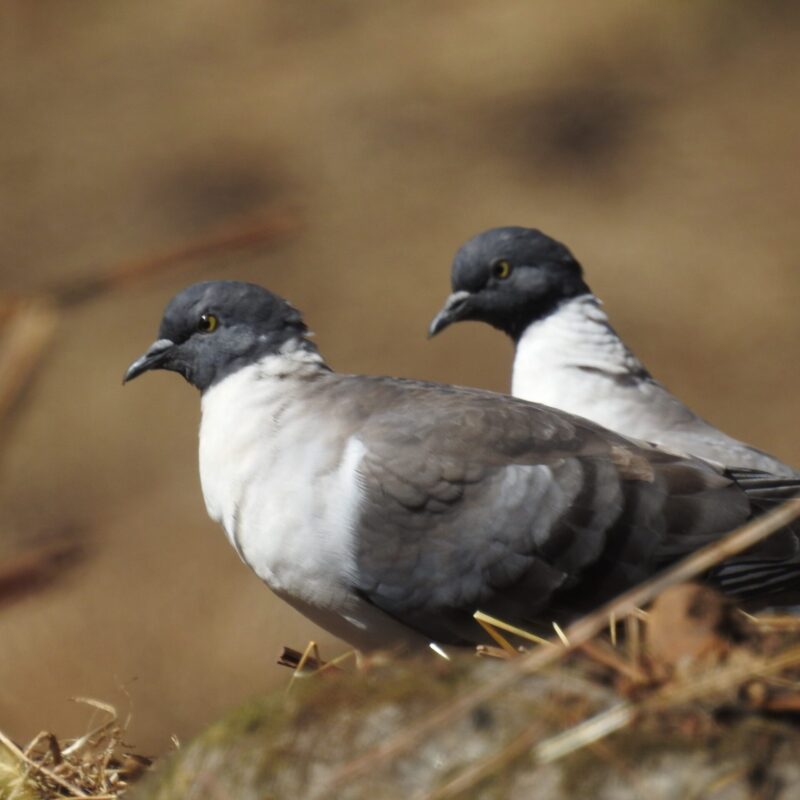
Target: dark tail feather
[
  {"x": 765, "y": 487},
  {"x": 747, "y": 579}
]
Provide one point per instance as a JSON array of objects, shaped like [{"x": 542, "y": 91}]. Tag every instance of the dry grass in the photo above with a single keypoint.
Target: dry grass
[
  {"x": 96, "y": 765},
  {"x": 760, "y": 676},
  {"x": 692, "y": 653}
]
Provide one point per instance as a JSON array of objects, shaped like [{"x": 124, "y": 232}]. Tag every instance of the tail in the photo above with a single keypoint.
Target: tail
[
  {"x": 762, "y": 486},
  {"x": 769, "y": 572}
]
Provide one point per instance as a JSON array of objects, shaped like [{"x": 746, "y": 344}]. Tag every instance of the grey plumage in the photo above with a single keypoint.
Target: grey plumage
[
  {"x": 567, "y": 353},
  {"x": 383, "y": 507}
]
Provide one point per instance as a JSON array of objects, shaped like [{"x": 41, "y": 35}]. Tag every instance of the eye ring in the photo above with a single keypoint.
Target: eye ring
[
  {"x": 207, "y": 323},
  {"x": 501, "y": 269}
]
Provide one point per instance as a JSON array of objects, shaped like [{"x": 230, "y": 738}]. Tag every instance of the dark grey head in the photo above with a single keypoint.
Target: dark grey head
[
  {"x": 510, "y": 277},
  {"x": 212, "y": 329}
]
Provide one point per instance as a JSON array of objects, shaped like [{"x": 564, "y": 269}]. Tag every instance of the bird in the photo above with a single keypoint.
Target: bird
[
  {"x": 389, "y": 510},
  {"x": 567, "y": 354}
]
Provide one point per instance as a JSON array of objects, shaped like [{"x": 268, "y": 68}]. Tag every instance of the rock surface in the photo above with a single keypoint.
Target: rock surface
[{"x": 299, "y": 746}]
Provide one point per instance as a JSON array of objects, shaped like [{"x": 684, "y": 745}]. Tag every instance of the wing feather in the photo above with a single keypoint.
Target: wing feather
[{"x": 475, "y": 500}]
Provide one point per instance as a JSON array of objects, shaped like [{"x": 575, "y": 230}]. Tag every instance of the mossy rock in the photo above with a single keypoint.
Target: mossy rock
[{"x": 292, "y": 746}]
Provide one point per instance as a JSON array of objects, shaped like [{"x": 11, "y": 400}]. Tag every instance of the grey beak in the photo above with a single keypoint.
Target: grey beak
[
  {"x": 152, "y": 359},
  {"x": 453, "y": 310}
]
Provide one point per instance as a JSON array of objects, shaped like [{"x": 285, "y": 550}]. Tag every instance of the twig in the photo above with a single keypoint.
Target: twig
[
  {"x": 561, "y": 635},
  {"x": 26, "y": 334},
  {"x": 779, "y": 622},
  {"x": 491, "y": 624},
  {"x": 310, "y": 655},
  {"x": 52, "y": 746},
  {"x": 488, "y": 651},
  {"x": 477, "y": 772},
  {"x": 291, "y": 658},
  {"x": 518, "y": 746},
  {"x": 585, "y": 733},
  {"x": 619, "y": 716},
  {"x": 98, "y": 729},
  {"x": 314, "y": 664},
  {"x": 718, "y": 783},
  {"x": 508, "y": 649},
  {"x": 14, "y": 750},
  {"x": 333, "y": 664},
  {"x": 272, "y": 226},
  {"x": 578, "y": 633},
  {"x": 22, "y": 573},
  {"x": 784, "y": 703},
  {"x": 610, "y": 658},
  {"x": 633, "y": 642}
]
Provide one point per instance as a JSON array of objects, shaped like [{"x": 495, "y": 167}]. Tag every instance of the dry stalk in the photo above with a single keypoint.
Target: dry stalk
[
  {"x": 711, "y": 683},
  {"x": 93, "y": 766},
  {"x": 24, "y": 572},
  {"x": 492, "y": 624},
  {"x": 718, "y": 784},
  {"x": 482, "y": 769},
  {"x": 475, "y": 773},
  {"x": 561, "y": 635},
  {"x": 488, "y": 651},
  {"x": 723, "y": 679},
  {"x": 578, "y": 634},
  {"x": 35, "y": 767},
  {"x": 508, "y": 649},
  {"x": 334, "y": 664},
  {"x": 585, "y": 733},
  {"x": 612, "y": 628},
  {"x": 782, "y": 622},
  {"x": 289, "y": 657},
  {"x": 27, "y": 332},
  {"x": 609, "y": 657},
  {"x": 271, "y": 226},
  {"x": 311, "y": 658},
  {"x": 633, "y": 640}
]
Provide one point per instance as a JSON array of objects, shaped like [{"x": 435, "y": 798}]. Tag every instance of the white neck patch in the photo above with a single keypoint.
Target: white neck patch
[
  {"x": 558, "y": 359},
  {"x": 295, "y": 357}
]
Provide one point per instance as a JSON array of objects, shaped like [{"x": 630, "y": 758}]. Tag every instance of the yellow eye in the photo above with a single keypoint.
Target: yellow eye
[
  {"x": 501, "y": 269},
  {"x": 207, "y": 323}
]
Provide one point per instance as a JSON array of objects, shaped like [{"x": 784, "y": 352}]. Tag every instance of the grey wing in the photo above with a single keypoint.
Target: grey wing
[{"x": 520, "y": 512}]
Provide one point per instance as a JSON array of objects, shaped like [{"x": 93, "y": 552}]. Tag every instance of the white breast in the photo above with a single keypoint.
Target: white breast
[
  {"x": 573, "y": 360},
  {"x": 283, "y": 485}
]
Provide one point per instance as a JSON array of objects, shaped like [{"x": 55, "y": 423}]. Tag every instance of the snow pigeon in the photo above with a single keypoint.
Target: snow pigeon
[
  {"x": 388, "y": 511},
  {"x": 567, "y": 355}
]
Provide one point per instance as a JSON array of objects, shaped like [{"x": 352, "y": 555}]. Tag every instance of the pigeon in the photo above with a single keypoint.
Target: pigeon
[
  {"x": 388, "y": 510},
  {"x": 567, "y": 355}
]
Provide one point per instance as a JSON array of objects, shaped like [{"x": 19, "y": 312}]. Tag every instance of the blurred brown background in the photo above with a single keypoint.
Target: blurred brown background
[{"x": 659, "y": 141}]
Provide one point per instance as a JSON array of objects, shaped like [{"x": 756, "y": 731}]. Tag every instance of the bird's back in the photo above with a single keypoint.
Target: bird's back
[
  {"x": 574, "y": 360},
  {"x": 477, "y": 500}
]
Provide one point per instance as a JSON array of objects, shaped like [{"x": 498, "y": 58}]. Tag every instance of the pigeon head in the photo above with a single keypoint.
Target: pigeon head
[
  {"x": 212, "y": 329},
  {"x": 509, "y": 277}
]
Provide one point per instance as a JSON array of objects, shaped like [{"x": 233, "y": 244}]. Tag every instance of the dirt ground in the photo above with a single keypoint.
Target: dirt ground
[{"x": 659, "y": 141}]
